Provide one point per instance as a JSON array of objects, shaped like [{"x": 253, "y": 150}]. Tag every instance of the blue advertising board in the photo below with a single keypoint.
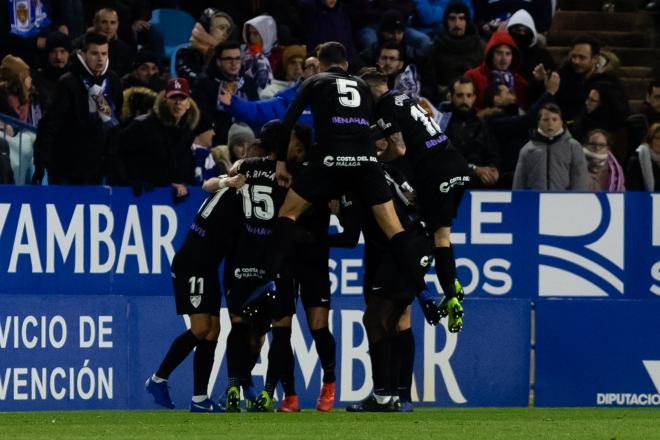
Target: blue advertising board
[{"x": 597, "y": 353}]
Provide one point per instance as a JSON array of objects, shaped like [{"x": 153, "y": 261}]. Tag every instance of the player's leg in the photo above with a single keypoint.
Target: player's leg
[
  {"x": 404, "y": 347},
  {"x": 445, "y": 268},
  {"x": 238, "y": 360},
  {"x": 208, "y": 327},
  {"x": 280, "y": 369},
  {"x": 317, "y": 320}
]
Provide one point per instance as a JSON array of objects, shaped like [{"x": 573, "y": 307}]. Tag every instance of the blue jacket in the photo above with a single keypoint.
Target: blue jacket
[
  {"x": 257, "y": 113},
  {"x": 431, "y": 12}
]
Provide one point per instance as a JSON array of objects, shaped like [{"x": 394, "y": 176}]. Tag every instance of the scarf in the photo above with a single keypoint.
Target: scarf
[
  {"x": 27, "y": 18},
  {"x": 596, "y": 162},
  {"x": 98, "y": 97},
  {"x": 503, "y": 77},
  {"x": 647, "y": 158}
]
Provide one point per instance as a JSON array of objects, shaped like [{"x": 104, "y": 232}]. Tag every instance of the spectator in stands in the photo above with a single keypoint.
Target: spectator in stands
[
  {"x": 639, "y": 123},
  {"x": 74, "y": 137},
  {"x": 470, "y": 135},
  {"x": 390, "y": 61},
  {"x": 500, "y": 65},
  {"x": 643, "y": 171},
  {"x": 522, "y": 29},
  {"x": 222, "y": 76},
  {"x": 456, "y": 48},
  {"x": 214, "y": 27},
  {"x": 293, "y": 59},
  {"x": 579, "y": 74},
  {"x": 327, "y": 20},
  {"x": 257, "y": 113},
  {"x": 509, "y": 127},
  {"x": 430, "y": 14},
  {"x": 106, "y": 22},
  {"x": 552, "y": 160},
  {"x": 393, "y": 29},
  {"x": 605, "y": 108},
  {"x": 58, "y": 52},
  {"x": 204, "y": 163},
  {"x": 489, "y": 15},
  {"x": 240, "y": 137},
  {"x": 136, "y": 101},
  {"x": 6, "y": 173},
  {"x": 145, "y": 73},
  {"x": 155, "y": 150},
  {"x": 260, "y": 37},
  {"x": 17, "y": 96},
  {"x": 605, "y": 172}
]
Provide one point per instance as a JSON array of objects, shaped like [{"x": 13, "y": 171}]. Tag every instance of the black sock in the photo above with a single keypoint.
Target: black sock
[
  {"x": 280, "y": 349},
  {"x": 202, "y": 366},
  {"x": 380, "y": 354},
  {"x": 179, "y": 350},
  {"x": 238, "y": 350},
  {"x": 445, "y": 268},
  {"x": 325, "y": 347},
  {"x": 281, "y": 246},
  {"x": 408, "y": 259},
  {"x": 406, "y": 343},
  {"x": 395, "y": 365},
  {"x": 286, "y": 373}
]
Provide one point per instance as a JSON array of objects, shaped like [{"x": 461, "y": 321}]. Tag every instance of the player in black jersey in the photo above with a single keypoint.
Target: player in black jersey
[
  {"x": 197, "y": 293},
  {"x": 345, "y": 160},
  {"x": 440, "y": 176}
]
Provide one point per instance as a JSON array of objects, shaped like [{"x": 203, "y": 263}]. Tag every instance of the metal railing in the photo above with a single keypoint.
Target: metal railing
[{"x": 20, "y": 146}]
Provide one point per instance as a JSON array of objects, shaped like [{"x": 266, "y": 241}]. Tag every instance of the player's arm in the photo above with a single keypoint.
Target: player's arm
[
  {"x": 217, "y": 183},
  {"x": 350, "y": 217},
  {"x": 395, "y": 147}
]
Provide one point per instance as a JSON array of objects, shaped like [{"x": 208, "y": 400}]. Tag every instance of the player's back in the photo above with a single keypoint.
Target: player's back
[{"x": 341, "y": 106}]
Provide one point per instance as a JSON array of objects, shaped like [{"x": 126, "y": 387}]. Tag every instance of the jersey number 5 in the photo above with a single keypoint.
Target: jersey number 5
[
  {"x": 257, "y": 201},
  {"x": 348, "y": 93}
]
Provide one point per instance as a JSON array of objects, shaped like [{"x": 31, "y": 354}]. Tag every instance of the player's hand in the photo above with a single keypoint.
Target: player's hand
[
  {"x": 430, "y": 307},
  {"x": 334, "y": 206},
  {"x": 236, "y": 181},
  {"x": 282, "y": 175}
]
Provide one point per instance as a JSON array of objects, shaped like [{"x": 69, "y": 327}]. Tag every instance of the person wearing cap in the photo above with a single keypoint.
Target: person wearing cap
[
  {"x": 213, "y": 27},
  {"x": 293, "y": 59},
  {"x": 456, "y": 48},
  {"x": 145, "y": 73},
  {"x": 75, "y": 137},
  {"x": 155, "y": 149}
]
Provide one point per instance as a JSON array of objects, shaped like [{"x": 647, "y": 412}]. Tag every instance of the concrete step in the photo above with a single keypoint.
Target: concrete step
[
  {"x": 628, "y": 56},
  {"x": 637, "y": 71},
  {"x": 636, "y": 105},
  {"x": 635, "y": 87},
  {"x": 637, "y": 38},
  {"x": 600, "y": 21},
  {"x": 597, "y": 5}
]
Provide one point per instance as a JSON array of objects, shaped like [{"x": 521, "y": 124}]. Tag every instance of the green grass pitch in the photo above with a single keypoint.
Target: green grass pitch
[{"x": 463, "y": 424}]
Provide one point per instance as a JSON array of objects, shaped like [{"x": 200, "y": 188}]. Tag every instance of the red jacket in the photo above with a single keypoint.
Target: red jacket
[{"x": 480, "y": 75}]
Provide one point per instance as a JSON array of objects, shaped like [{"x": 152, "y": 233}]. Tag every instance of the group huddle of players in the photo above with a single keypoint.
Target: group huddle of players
[{"x": 398, "y": 181}]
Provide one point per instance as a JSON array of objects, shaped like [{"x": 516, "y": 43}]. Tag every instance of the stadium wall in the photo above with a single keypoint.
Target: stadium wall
[{"x": 86, "y": 310}]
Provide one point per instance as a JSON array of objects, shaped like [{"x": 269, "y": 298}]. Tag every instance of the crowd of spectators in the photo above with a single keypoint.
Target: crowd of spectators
[{"x": 92, "y": 80}]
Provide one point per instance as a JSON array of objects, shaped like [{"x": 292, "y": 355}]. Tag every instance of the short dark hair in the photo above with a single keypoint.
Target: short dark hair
[
  {"x": 550, "y": 107},
  {"x": 391, "y": 45},
  {"x": 93, "y": 38},
  {"x": 589, "y": 40},
  {"x": 332, "y": 52},
  {"x": 491, "y": 92},
  {"x": 372, "y": 76},
  {"x": 654, "y": 84},
  {"x": 227, "y": 45},
  {"x": 304, "y": 135},
  {"x": 606, "y": 135},
  {"x": 461, "y": 80}
]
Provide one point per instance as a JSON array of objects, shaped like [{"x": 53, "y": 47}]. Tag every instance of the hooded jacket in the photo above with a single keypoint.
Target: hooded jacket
[
  {"x": 551, "y": 164},
  {"x": 70, "y": 143},
  {"x": 481, "y": 75},
  {"x": 532, "y": 53},
  {"x": 256, "y": 62},
  {"x": 154, "y": 151}
]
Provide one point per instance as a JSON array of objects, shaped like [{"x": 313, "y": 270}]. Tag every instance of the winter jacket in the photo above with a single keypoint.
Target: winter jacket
[
  {"x": 71, "y": 142},
  {"x": 257, "y": 113},
  {"x": 205, "y": 94},
  {"x": 429, "y": 14},
  {"x": 481, "y": 75},
  {"x": 257, "y": 65},
  {"x": 642, "y": 172},
  {"x": 541, "y": 10},
  {"x": 156, "y": 152},
  {"x": 551, "y": 164},
  {"x": 471, "y": 137},
  {"x": 189, "y": 63}
]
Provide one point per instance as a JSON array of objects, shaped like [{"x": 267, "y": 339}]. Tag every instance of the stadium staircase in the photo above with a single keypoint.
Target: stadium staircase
[{"x": 628, "y": 30}]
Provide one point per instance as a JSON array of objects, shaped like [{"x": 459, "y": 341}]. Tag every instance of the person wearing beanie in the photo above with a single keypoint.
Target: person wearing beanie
[
  {"x": 293, "y": 59},
  {"x": 145, "y": 73},
  {"x": 239, "y": 138},
  {"x": 456, "y": 48},
  {"x": 56, "y": 64},
  {"x": 213, "y": 27},
  {"x": 429, "y": 14}
]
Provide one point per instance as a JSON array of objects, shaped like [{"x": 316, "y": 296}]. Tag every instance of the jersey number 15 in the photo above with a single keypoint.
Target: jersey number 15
[{"x": 258, "y": 202}]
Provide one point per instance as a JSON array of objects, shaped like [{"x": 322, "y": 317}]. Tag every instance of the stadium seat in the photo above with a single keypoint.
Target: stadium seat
[{"x": 175, "y": 27}]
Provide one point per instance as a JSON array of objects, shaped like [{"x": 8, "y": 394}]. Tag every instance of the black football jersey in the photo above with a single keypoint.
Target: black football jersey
[
  {"x": 341, "y": 107},
  {"x": 261, "y": 195},
  {"x": 397, "y": 112}
]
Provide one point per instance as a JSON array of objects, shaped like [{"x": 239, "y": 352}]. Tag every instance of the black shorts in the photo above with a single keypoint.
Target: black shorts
[
  {"x": 331, "y": 176},
  {"x": 196, "y": 291},
  {"x": 247, "y": 271},
  {"x": 440, "y": 181},
  {"x": 383, "y": 276}
]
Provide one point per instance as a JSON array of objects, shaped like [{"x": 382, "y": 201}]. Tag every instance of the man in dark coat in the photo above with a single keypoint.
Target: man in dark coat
[
  {"x": 58, "y": 52},
  {"x": 75, "y": 136}
]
